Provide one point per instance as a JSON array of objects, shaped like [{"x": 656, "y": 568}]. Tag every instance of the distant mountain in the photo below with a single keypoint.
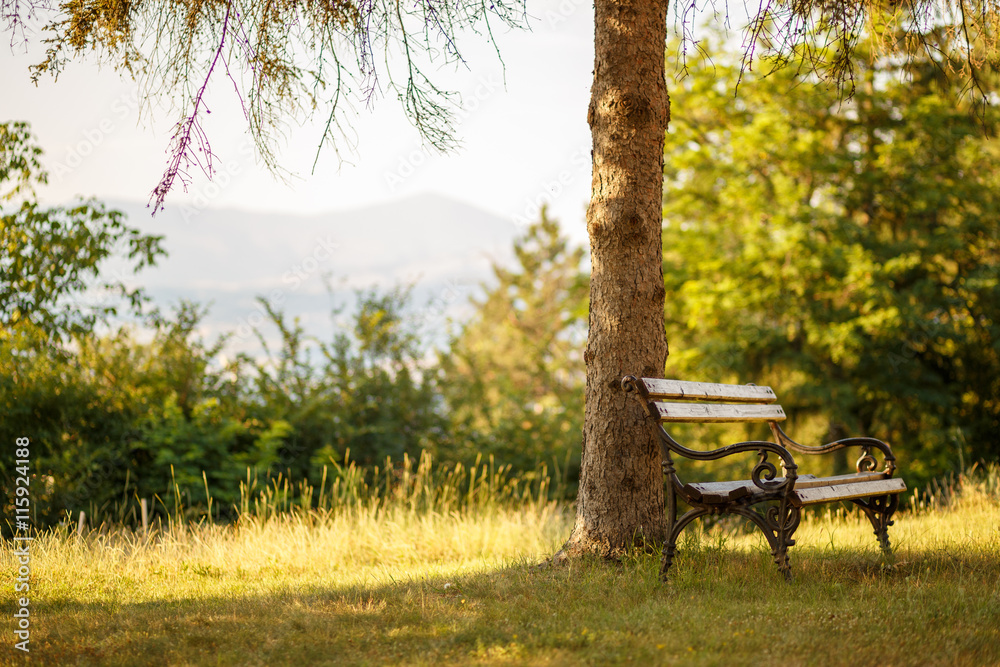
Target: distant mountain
[{"x": 226, "y": 258}]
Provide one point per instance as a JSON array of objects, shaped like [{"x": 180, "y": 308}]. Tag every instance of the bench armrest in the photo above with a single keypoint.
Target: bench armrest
[
  {"x": 866, "y": 462},
  {"x": 762, "y": 474}
]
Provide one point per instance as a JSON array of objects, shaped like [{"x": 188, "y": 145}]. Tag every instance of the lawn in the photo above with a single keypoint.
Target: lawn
[{"x": 436, "y": 583}]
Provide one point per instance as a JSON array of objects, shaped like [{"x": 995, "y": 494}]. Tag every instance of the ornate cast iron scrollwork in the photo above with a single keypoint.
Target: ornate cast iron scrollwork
[
  {"x": 777, "y": 524},
  {"x": 866, "y": 462},
  {"x": 673, "y": 532},
  {"x": 879, "y": 510},
  {"x": 764, "y": 472},
  {"x": 765, "y": 469},
  {"x": 782, "y": 520}
]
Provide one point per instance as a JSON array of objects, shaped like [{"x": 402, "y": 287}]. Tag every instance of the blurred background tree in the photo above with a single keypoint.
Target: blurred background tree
[
  {"x": 121, "y": 412},
  {"x": 54, "y": 292},
  {"x": 845, "y": 251},
  {"x": 50, "y": 268},
  {"x": 114, "y": 418},
  {"x": 369, "y": 393},
  {"x": 513, "y": 377}
]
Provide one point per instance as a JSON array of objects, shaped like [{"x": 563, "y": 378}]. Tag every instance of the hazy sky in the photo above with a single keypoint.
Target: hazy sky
[{"x": 522, "y": 143}]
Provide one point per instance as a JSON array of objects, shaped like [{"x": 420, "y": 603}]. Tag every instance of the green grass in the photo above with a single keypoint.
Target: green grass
[{"x": 391, "y": 581}]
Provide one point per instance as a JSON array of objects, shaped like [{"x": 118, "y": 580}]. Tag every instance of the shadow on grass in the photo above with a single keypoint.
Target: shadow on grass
[{"x": 719, "y": 606}]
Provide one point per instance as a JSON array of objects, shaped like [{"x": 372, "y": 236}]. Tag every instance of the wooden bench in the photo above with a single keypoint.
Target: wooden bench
[{"x": 781, "y": 498}]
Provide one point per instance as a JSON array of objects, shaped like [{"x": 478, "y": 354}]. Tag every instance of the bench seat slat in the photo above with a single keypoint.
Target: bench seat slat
[
  {"x": 718, "y": 412},
  {"x": 718, "y": 492},
  {"x": 809, "y": 489},
  {"x": 810, "y": 481},
  {"x": 826, "y": 494},
  {"x": 708, "y": 391}
]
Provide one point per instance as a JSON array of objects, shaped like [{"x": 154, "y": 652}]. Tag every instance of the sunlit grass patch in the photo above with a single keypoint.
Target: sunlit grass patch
[{"x": 389, "y": 582}]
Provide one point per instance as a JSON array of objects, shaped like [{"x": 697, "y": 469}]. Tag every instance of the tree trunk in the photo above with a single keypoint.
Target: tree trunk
[{"x": 620, "y": 501}]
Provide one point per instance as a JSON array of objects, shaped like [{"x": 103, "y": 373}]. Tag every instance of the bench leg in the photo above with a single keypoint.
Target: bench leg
[
  {"x": 668, "y": 557},
  {"x": 783, "y": 520},
  {"x": 778, "y": 525},
  {"x": 675, "y": 528},
  {"x": 879, "y": 510}
]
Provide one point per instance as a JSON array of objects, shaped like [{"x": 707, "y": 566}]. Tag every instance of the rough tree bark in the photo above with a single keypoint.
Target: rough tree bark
[{"x": 620, "y": 501}]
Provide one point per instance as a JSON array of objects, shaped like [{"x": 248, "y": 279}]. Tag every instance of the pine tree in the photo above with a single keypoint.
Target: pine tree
[{"x": 513, "y": 376}]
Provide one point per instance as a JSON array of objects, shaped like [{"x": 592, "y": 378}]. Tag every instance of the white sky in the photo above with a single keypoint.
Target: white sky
[{"x": 523, "y": 143}]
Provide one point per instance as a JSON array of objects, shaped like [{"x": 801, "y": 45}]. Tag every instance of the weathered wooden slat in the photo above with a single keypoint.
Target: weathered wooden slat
[
  {"x": 718, "y": 412},
  {"x": 720, "y": 492},
  {"x": 826, "y": 494},
  {"x": 717, "y": 492},
  {"x": 809, "y": 489},
  {"x": 806, "y": 481},
  {"x": 708, "y": 391},
  {"x": 803, "y": 483}
]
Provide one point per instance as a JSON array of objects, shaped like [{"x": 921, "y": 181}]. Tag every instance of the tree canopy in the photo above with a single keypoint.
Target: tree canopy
[
  {"x": 847, "y": 251},
  {"x": 292, "y": 60},
  {"x": 286, "y": 60}
]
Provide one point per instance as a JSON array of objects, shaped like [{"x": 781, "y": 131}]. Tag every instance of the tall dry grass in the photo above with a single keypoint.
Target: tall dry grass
[{"x": 408, "y": 521}]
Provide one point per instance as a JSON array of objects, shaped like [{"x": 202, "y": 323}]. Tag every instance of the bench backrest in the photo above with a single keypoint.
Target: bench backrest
[{"x": 711, "y": 402}]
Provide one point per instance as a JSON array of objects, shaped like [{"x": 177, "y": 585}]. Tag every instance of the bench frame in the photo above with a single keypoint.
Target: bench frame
[{"x": 868, "y": 489}]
